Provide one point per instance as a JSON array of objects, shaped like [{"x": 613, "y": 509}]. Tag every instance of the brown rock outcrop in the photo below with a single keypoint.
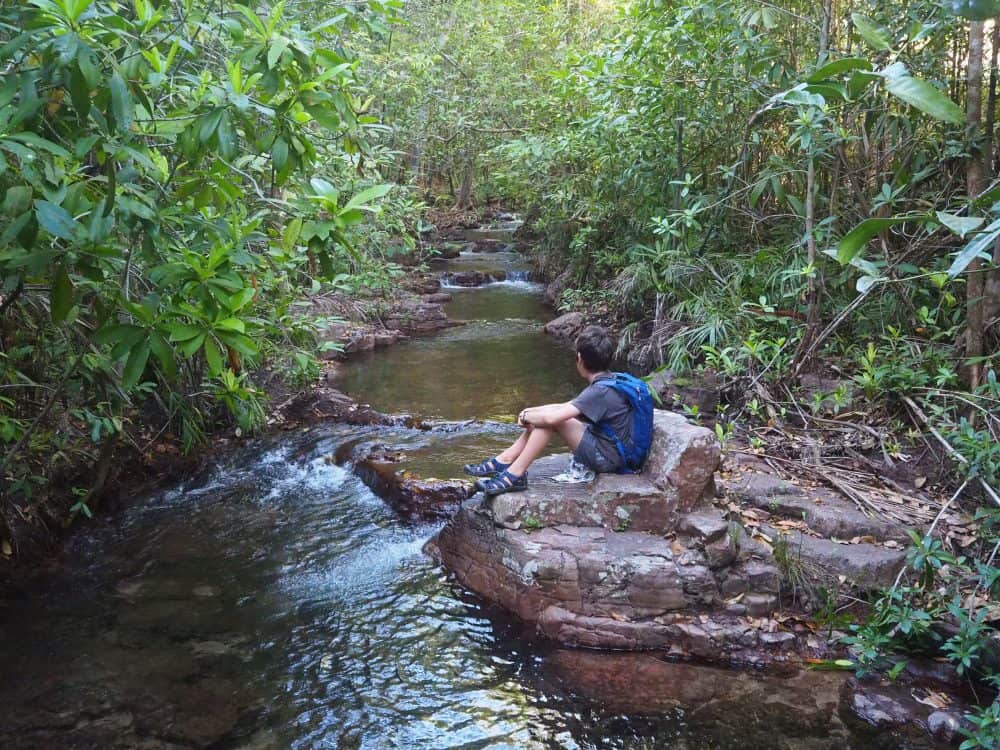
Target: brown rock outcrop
[
  {"x": 625, "y": 562},
  {"x": 566, "y": 327},
  {"x": 415, "y": 498}
]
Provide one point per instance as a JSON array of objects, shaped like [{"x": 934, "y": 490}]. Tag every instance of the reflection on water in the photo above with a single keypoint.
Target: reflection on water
[
  {"x": 481, "y": 370},
  {"x": 285, "y": 606},
  {"x": 275, "y": 602}
]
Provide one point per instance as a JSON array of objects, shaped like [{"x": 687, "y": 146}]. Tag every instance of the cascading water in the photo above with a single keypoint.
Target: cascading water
[{"x": 274, "y": 602}]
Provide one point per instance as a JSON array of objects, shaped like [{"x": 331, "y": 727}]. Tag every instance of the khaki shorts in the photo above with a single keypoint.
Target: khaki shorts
[{"x": 590, "y": 455}]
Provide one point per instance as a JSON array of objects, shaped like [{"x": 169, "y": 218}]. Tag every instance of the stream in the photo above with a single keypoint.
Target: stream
[{"x": 274, "y": 602}]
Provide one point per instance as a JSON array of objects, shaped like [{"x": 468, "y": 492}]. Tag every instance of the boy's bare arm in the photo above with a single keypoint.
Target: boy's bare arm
[{"x": 549, "y": 415}]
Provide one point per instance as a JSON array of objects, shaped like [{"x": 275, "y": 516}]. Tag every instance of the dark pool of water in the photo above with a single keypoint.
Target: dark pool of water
[
  {"x": 489, "y": 368},
  {"x": 274, "y": 602}
]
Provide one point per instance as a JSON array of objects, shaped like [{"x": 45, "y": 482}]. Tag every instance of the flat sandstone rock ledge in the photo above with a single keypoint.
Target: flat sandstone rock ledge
[
  {"x": 677, "y": 478},
  {"x": 647, "y": 562},
  {"x": 594, "y": 587}
]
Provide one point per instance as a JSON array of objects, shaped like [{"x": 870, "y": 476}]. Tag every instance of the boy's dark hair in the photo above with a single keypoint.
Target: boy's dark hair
[{"x": 595, "y": 347}]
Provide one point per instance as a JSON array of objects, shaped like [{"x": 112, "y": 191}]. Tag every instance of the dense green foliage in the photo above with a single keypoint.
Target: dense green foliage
[
  {"x": 759, "y": 190},
  {"x": 177, "y": 177},
  {"x": 762, "y": 190}
]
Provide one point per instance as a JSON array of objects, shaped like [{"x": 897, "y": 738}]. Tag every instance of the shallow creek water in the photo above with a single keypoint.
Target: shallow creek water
[{"x": 274, "y": 602}]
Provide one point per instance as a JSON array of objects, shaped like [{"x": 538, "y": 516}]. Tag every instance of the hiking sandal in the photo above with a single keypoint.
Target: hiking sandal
[
  {"x": 488, "y": 468},
  {"x": 505, "y": 482}
]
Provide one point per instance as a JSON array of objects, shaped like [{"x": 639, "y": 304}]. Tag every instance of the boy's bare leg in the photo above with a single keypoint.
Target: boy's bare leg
[
  {"x": 571, "y": 431},
  {"x": 510, "y": 455}
]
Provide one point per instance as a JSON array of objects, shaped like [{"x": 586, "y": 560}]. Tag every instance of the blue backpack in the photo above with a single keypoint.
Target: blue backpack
[{"x": 633, "y": 450}]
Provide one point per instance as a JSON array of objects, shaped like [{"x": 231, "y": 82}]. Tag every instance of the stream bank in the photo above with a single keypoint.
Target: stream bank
[{"x": 273, "y": 600}]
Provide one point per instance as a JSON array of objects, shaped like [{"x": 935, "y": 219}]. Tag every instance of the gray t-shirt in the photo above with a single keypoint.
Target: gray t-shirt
[{"x": 599, "y": 403}]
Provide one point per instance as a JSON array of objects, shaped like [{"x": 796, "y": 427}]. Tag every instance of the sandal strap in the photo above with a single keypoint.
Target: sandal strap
[{"x": 505, "y": 481}]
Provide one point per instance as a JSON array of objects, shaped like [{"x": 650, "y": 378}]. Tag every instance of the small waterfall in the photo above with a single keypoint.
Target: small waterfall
[
  {"x": 466, "y": 279},
  {"x": 519, "y": 275}
]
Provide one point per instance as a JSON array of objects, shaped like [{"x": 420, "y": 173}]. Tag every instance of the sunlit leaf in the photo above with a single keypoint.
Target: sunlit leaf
[
  {"x": 870, "y": 32},
  {"x": 977, "y": 245},
  {"x": 839, "y": 66},
  {"x": 920, "y": 94},
  {"x": 960, "y": 225},
  {"x": 213, "y": 356},
  {"x": 852, "y": 243},
  {"x": 55, "y": 220}
]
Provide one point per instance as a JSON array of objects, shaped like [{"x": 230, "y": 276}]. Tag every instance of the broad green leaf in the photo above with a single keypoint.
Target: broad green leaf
[
  {"x": 279, "y": 153},
  {"x": 362, "y": 198},
  {"x": 828, "y": 90},
  {"x": 128, "y": 339},
  {"x": 960, "y": 225},
  {"x": 290, "y": 236},
  {"x": 190, "y": 346},
  {"x": 122, "y": 109},
  {"x": 213, "y": 356},
  {"x": 226, "y": 134},
  {"x": 241, "y": 343},
  {"x": 837, "y": 67},
  {"x": 55, "y": 220},
  {"x": 323, "y": 188},
  {"x": 276, "y": 49},
  {"x": 135, "y": 365},
  {"x": 852, "y": 243},
  {"x": 30, "y": 139},
  {"x": 209, "y": 124},
  {"x": 977, "y": 245},
  {"x": 231, "y": 324},
  {"x": 870, "y": 32},
  {"x": 114, "y": 334},
  {"x": 351, "y": 216},
  {"x": 79, "y": 92},
  {"x": 241, "y": 299},
  {"x": 164, "y": 353},
  {"x": 326, "y": 117},
  {"x": 61, "y": 296},
  {"x": 77, "y": 7},
  {"x": 865, "y": 266},
  {"x": 252, "y": 18},
  {"x": 920, "y": 94},
  {"x": 181, "y": 332},
  {"x": 988, "y": 197},
  {"x": 17, "y": 200}
]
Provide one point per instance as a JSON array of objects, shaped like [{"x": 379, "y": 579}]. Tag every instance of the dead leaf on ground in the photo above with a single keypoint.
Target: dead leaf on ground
[{"x": 933, "y": 699}]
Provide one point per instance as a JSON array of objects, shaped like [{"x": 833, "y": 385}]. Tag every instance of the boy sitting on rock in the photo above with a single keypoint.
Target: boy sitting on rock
[{"x": 594, "y": 425}]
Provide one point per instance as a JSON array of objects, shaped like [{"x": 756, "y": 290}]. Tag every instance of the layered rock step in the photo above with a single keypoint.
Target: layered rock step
[
  {"x": 624, "y": 562},
  {"x": 650, "y": 561},
  {"x": 835, "y": 544}
]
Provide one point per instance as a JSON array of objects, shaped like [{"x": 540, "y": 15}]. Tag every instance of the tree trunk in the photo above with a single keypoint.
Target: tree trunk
[
  {"x": 824, "y": 29},
  {"x": 974, "y": 185},
  {"x": 812, "y": 290},
  {"x": 464, "y": 199},
  {"x": 989, "y": 141},
  {"x": 805, "y": 349},
  {"x": 991, "y": 292}
]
